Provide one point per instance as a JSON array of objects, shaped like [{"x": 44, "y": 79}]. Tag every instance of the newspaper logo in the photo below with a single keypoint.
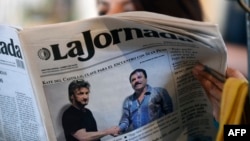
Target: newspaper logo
[
  {"x": 84, "y": 48},
  {"x": 233, "y": 132},
  {"x": 10, "y": 48},
  {"x": 44, "y": 54}
]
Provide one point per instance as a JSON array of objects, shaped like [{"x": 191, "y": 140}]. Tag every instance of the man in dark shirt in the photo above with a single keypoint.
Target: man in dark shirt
[{"x": 78, "y": 121}]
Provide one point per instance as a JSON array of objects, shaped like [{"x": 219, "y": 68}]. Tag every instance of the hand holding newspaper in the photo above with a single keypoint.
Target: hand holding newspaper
[{"x": 105, "y": 51}]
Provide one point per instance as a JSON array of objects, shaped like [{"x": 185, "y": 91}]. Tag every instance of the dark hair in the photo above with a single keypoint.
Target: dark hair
[
  {"x": 77, "y": 84},
  {"x": 190, "y": 9},
  {"x": 137, "y": 70}
]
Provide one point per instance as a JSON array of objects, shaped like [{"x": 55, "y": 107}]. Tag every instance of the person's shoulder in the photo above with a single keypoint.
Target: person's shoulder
[
  {"x": 129, "y": 98},
  {"x": 159, "y": 89},
  {"x": 88, "y": 110},
  {"x": 67, "y": 114},
  {"x": 69, "y": 110}
]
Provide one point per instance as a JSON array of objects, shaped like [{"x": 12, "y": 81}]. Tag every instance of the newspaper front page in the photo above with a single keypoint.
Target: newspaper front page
[
  {"x": 19, "y": 113},
  {"x": 105, "y": 50}
]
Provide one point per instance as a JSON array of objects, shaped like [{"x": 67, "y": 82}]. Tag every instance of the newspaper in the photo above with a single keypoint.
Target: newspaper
[
  {"x": 20, "y": 118},
  {"x": 104, "y": 51}
]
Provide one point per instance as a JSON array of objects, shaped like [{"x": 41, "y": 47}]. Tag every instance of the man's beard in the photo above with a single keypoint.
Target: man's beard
[{"x": 80, "y": 105}]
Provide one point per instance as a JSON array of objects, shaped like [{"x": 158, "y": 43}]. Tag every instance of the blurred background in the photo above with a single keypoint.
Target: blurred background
[
  {"x": 37, "y": 12},
  {"x": 226, "y": 13}
]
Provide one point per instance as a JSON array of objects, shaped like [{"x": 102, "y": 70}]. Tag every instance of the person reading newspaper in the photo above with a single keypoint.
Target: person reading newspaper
[
  {"x": 190, "y": 9},
  {"x": 78, "y": 121},
  {"x": 146, "y": 104},
  {"x": 54, "y": 53},
  {"x": 183, "y": 9}
]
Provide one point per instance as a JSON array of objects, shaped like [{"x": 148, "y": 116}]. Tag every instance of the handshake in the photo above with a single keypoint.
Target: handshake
[{"x": 113, "y": 131}]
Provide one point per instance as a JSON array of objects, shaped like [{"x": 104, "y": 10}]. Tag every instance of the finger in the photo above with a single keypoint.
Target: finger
[
  {"x": 215, "y": 106},
  {"x": 211, "y": 89},
  {"x": 202, "y": 75},
  {"x": 215, "y": 74},
  {"x": 234, "y": 73}
]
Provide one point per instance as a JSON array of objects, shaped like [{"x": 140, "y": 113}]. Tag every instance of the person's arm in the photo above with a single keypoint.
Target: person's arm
[
  {"x": 83, "y": 135},
  {"x": 213, "y": 86},
  {"x": 124, "y": 122}
]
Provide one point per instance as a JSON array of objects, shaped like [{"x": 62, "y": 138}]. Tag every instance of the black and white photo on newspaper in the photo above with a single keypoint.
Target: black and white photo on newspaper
[{"x": 128, "y": 73}]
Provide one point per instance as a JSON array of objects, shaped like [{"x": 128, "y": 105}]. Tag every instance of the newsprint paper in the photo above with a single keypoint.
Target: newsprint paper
[{"x": 104, "y": 51}]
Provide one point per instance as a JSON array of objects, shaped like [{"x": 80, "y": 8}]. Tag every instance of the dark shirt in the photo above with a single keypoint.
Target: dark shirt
[{"x": 74, "y": 119}]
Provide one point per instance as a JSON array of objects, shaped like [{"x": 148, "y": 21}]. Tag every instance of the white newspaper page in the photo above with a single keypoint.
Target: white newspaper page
[
  {"x": 104, "y": 51},
  {"x": 19, "y": 114}
]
